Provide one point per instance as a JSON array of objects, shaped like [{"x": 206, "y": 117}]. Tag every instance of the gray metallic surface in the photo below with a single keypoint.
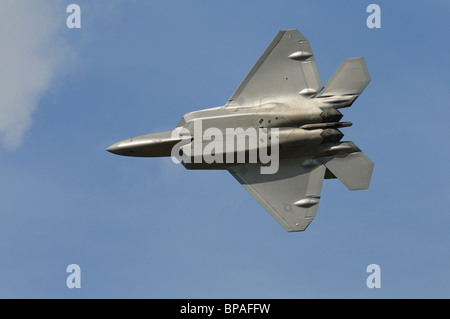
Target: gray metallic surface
[{"x": 282, "y": 91}]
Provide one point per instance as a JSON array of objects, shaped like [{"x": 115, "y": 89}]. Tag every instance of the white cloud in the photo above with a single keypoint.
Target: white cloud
[{"x": 31, "y": 55}]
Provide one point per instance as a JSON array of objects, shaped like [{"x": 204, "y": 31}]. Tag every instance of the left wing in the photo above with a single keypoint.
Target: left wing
[
  {"x": 285, "y": 71},
  {"x": 291, "y": 195}
]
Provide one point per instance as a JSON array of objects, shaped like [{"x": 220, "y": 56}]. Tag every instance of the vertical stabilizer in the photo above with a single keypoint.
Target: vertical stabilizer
[
  {"x": 353, "y": 169},
  {"x": 351, "y": 78}
]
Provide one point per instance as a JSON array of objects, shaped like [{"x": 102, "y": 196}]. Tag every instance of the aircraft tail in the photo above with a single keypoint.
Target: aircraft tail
[
  {"x": 347, "y": 82},
  {"x": 354, "y": 170}
]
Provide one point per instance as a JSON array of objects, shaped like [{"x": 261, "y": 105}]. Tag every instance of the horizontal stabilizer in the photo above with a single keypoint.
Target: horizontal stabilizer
[
  {"x": 351, "y": 78},
  {"x": 353, "y": 169}
]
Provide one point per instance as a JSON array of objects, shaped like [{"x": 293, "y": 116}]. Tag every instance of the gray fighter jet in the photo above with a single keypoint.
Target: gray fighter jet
[{"x": 278, "y": 134}]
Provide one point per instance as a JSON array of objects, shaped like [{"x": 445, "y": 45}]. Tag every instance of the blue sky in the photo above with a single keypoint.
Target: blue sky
[{"x": 148, "y": 228}]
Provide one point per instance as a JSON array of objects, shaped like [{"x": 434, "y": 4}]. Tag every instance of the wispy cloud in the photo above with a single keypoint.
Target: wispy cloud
[{"x": 31, "y": 55}]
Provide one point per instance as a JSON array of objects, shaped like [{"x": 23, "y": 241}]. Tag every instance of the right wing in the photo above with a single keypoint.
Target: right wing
[
  {"x": 285, "y": 71},
  {"x": 291, "y": 195}
]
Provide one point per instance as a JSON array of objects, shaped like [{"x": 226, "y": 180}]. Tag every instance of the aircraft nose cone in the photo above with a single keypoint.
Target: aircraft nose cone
[{"x": 113, "y": 148}]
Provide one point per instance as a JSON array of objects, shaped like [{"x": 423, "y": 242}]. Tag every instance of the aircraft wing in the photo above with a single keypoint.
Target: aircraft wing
[
  {"x": 285, "y": 71},
  {"x": 291, "y": 195}
]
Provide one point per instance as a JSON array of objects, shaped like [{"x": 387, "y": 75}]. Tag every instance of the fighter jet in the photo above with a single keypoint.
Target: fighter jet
[{"x": 278, "y": 135}]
